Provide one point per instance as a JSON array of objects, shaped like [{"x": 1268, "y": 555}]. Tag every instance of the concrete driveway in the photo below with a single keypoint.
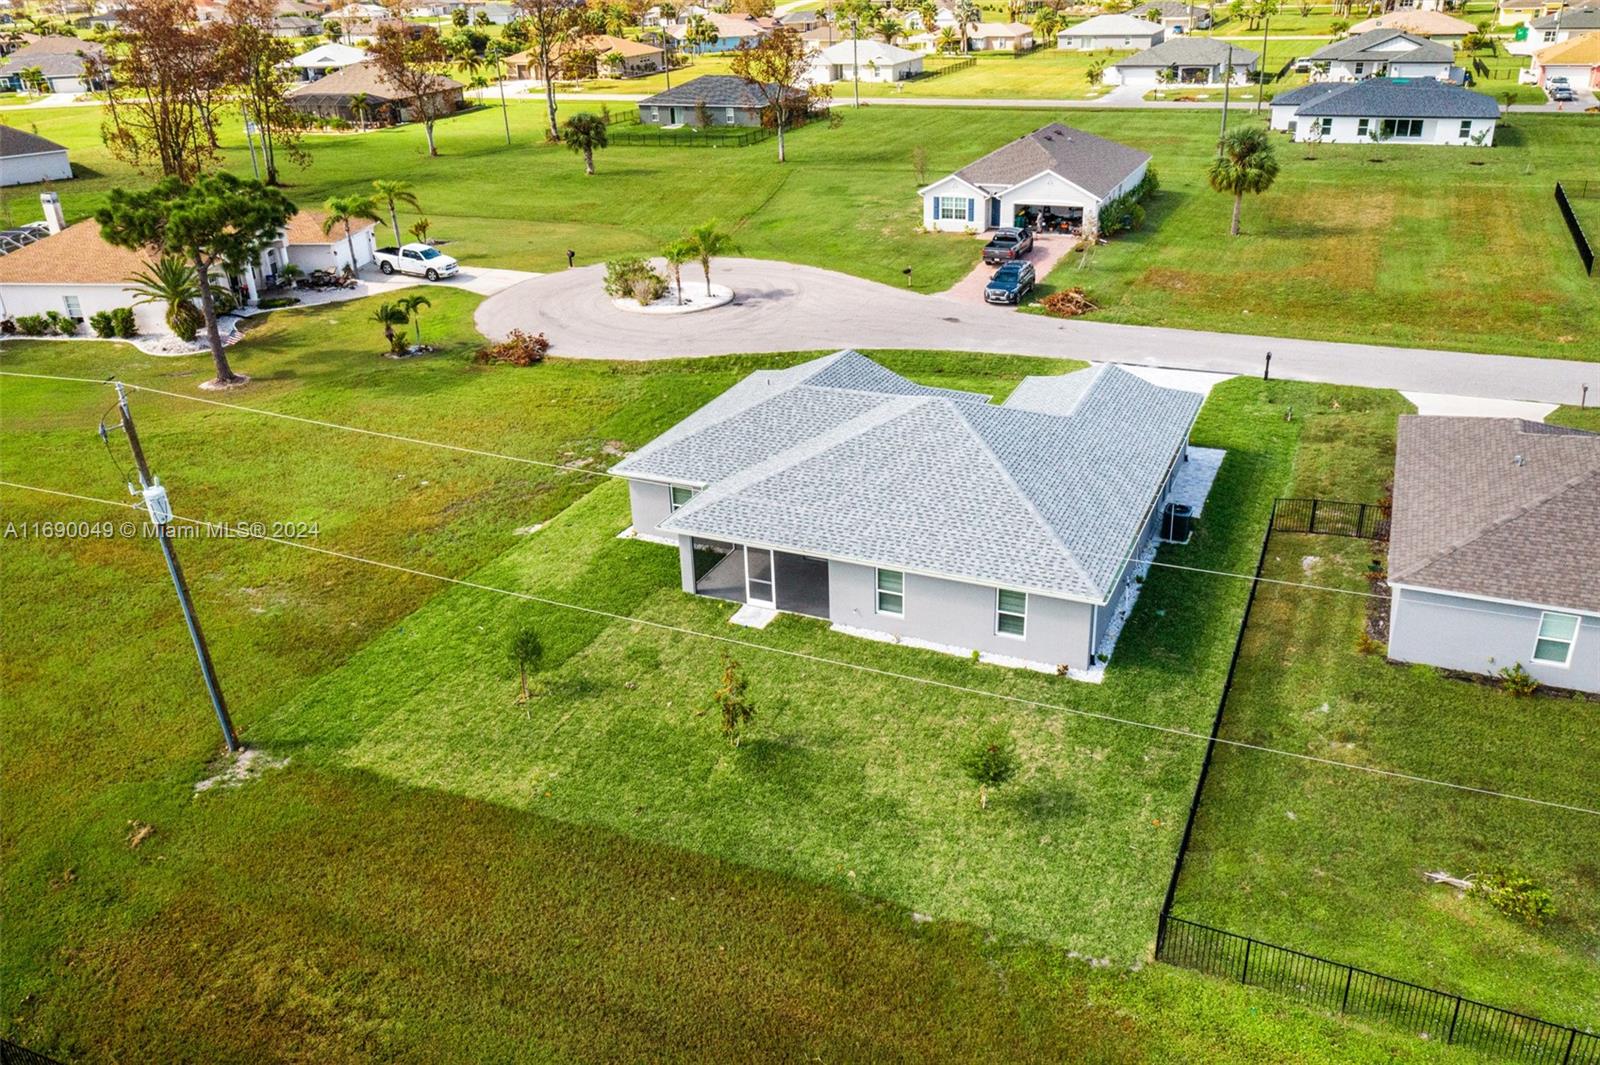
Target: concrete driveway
[
  {"x": 785, "y": 307},
  {"x": 1046, "y": 252}
]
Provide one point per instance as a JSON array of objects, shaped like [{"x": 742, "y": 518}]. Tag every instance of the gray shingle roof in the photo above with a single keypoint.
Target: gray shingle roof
[
  {"x": 1576, "y": 19},
  {"x": 1468, "y": 518},
  {"x": 1365, "y": 46},
  {"x": 1169, "y": 9},
  {"x": 15, "y": 141},
  {"x": 716, "y": 90},
  {"x": 1191, "y": 51},
  {"x": 1306, "y": 94},
  {"x": 57, "y": 57},
  {"x": 841, "y": 457},
  {"x": 1093, "y": 163},
  {"x": 1391, "y": 98}
]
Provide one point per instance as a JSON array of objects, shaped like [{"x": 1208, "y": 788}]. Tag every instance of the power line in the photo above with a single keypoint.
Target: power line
[
  {"x": 822, "y": 660},
  {"x": 572, "y": 468}
]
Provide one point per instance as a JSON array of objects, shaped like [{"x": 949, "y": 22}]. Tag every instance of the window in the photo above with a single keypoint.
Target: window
[
  {"x": 950, "y": 207},
  {"x": 1361, "y": 68},
  {"x": 1363, "y": 126},
  {"x": 1325, "y": 126},
  {"x": 1466, "y": 129},
  {"x": 680, "y": 495},
  {"x": 1558, "y": 634},
  {"x": 1401, "y": 128},
  {"x": 74, "y": 308},
  {"x": 1011, "y": 613},
  {"x": 891, "y": 592}
]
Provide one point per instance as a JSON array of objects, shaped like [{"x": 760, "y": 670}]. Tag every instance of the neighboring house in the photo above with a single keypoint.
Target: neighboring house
[
  {"x": 874, "y": 60},
  {"x": 295, "y": 26},
  {"x": 897, "y": 511},
  {"x": 1564, "y": 25},
  {"x": 358, "y": 12},
  {"x": 1184, "y": 60},
  {"x": 1398, "y": 112},
  {"x": 333, "y": 95},
  {"x": 1384, "y": 54},
  {"x": 733, "y": 31},
  {"x": 999, "y": 37},
  {"x": 62, "y": 60},
  {"x": 1577, "y": 60},
  {"x": 1434, "y": 25},
  {"x": 1516, "y": 12},
  {"x": 600, "y": 55},
  {"x": 325, "y": 59},
  {"x": 1057, "y": 171},
  {"x": 1120, "y": 32},
  {"x": 709, "y": 100},
  {"x": 1175, "y": 16},
  {"x": 1494, "y": 548},
  {"x": 26, "y": 159},
  {"x": 76, "y": 271}
]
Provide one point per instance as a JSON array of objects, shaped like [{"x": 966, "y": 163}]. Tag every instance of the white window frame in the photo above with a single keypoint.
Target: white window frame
[
  {"x": 1572, "y": 643},
  {"x": 999, "y": 613},
  {"x": 950, "y": 208},
  {"x": 1326, "y": 125},
  {"x": 881, "y": 591},
  {"x": 673, "y": 506},
  {"x": 74, "y": 307},
  {"x": 1363, "y": 127},
  {"x": 1466, "y": 129}
]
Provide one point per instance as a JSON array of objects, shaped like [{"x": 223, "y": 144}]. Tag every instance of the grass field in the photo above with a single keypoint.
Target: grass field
[
  {"x": 1435, "y": 247},
  {"x": 437, "y": 868},
  {"x": 1331, "y": 862}
]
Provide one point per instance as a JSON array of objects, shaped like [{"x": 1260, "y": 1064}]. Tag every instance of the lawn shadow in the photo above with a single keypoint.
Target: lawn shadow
[{"x": 1041, "y": 801}]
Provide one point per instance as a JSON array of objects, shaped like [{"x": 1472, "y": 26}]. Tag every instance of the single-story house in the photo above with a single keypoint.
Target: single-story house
[
  {"x": 1576, "y": 59},
  {"x": 1184, "y": 60},
  {"x": 1398, "y": 112},
  {"x": 1056, "y": 170},
  {"x": 999, "y": 37},
  {"x": 1564, "y": 25},
  {"x": 709, "y": 100},
  {"x": 897, "y": 511},
  {"x": 358, "y": 12},
  {"x": 294, "y": 26},
  {"x": 599, "y": 55},
  {"x": 27, "y": 159},
  {"x": 76, "y": 271},
  {"x": 1494, "y": 548},
  {"x": 1120, "y": 32},
  {"x": 1174, "y": 15},
  {"x": 331, "y": 96},
  {"x": 1434, "y": 25},
  {"x": 733, "y": 32},
  {"x": 62, "y": 60},
  {"x": 324, "y": 59},
  {"x": 871, "y": 59},
  {"x": 1384, "y": 53},
  {"x": 1516, "y": 12}
]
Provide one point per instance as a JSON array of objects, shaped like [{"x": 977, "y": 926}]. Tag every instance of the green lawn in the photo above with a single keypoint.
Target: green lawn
[
  {"x": 1330, "y": 861},
  {"x": 436, "y": 867}
]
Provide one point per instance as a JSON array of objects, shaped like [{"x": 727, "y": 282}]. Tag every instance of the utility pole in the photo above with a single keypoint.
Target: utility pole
[
  {"x": 1227, "y": 79},
  {"x": 1261, "y": 66},
  {"x": 155, "y": 499}
]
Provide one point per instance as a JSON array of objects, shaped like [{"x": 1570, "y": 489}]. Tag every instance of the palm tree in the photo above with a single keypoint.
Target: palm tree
[
  {"x": 677, "y": 253},
  {"x": 342, "y": 210},
  {"x": 412, "y": 305},
  {"x": 948, "y": 40},
  {"x": 583, "y": 133},
  {"x": 361, "y": 107},
  {"x": 928, "y": 13},
  {"x": 707, "y": 242},
  {"x": 1046, "y": 24},
  {"x": 969, "y": 14},
  {"x": 1096, "y": 72},
  {"x": 393, "y": 192},
  {"x": 171, "y": 280},
  {"x": 419, "y": 229},
  {"x": 389, "y": 316},
  {"x": 33, "y": 80},
  {"x": 1247, "y": 164}
]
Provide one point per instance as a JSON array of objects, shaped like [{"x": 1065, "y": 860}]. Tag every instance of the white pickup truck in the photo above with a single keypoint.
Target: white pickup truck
[{"x": 423, "y": 260}]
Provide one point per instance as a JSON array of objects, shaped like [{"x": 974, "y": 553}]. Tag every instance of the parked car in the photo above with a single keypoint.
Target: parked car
[
  {"x": 1562, "y": 94},
  {"x": 1010, "y": 283},
  {"x": 1301, "y": 65},
  {"x": 424, "y": 260},
  {"x": 1007, "y": 244}
]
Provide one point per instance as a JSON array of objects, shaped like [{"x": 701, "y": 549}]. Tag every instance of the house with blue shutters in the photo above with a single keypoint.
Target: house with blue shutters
[{"x": 1055, "y": 176}]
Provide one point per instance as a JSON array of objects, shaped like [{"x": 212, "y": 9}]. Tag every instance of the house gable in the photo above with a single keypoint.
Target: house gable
[{"x": 1050, "y": 187}]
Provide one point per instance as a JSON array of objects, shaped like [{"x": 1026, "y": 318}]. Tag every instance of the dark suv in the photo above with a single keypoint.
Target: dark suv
[
  {"x": 1007, "y": 244},
  {"x": 1009, "y": 284}
]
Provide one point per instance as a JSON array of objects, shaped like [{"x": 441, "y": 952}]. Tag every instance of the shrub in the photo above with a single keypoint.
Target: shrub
[
  {"x": 1516, "y": 896},
  {"x": 1147, "y": 185},
  {"x": 33, "y": 325},
  {"x": 100, "y": 322},
  {"x": 60, "y": 324},
  {"x": 518, "y": 349},
  {"x": 1517, "y": 681},
  {"x": 275, "y": 302},
  {"x": 993, "y": 761},
  {"x": 123, "y": 323},
  {"x": 1368, "y": 644},
  {"x": 1122, "y": 213},
  {"x": 630, "y": 277},
  {"x": 1068, "y": 303}
]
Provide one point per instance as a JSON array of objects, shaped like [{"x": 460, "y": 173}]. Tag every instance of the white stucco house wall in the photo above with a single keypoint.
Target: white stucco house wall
[
  {"x": 1010, "y": 530},
  {"x": 1399, "y": 112},
  {"x": 1119, "y": 32},
  {"x": 873, "y": 59},
  {"x": 28, "y": 159},
  {"x": 1494, "y": 552},
  {"x": 1065, "y": 171},
  {"x": 1384, "y": 53}
]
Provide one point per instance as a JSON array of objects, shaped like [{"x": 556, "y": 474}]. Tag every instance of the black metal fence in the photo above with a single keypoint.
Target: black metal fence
[
  {"x": 1331, "y": 517},
  {"x": 11, "y": 1054},
  {"x": 944, "y": 67},
  {"x": 1585, "y": 249},
  {"x": 1346, "y": 989}
]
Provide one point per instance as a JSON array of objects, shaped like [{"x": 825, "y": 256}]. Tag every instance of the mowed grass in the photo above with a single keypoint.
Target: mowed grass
[
  {"x": 343, "y": 908},
  {"x": 1435, "y": 247},
  {"x": 1331, "y": 861}
]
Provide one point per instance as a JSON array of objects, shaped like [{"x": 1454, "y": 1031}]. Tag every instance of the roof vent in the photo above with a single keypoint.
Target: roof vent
[{"x": 1518, "y": 460}]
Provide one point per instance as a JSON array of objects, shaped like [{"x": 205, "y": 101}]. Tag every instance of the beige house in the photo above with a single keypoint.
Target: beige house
[
  {"x": 335, "y": 95},
  {"x": 599, "y": 56},
  {"x": 1434, "y": 25}
]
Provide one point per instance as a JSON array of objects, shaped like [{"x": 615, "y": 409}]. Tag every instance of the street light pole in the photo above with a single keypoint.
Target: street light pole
[{"x": 1261, "y": 68}]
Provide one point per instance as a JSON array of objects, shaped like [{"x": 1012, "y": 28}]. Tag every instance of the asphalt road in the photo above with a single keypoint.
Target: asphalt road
[{"x": 784, "y": 307}]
